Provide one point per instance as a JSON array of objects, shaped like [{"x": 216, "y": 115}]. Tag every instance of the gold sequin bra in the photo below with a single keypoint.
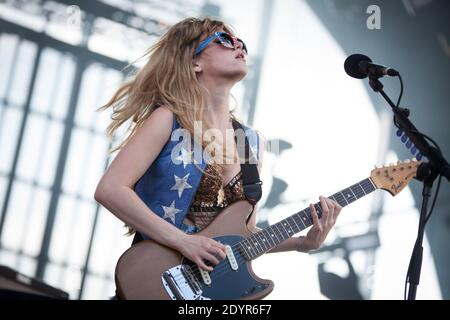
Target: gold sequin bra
[{"x": 211, "y": 195}]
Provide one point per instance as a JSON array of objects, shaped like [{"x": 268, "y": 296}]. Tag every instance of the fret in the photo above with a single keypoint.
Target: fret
[
  {"x": 358, "y": 191},
  {"x": 309, "y": 216},
  {"x": 279, "y": 233},
  {"x": 291, "y": 226},
  {"x": 257, "y": 245},
  {"x": 249, "y": 247},
  {"x": 273, "y": 236},
  {"x": 263, "y": 241},
  {"x": 275, "y": 233},
  {"x": 362, "y": 189},
  {"x": 296, "y": 225},
  {"x": 283, "y": 224},
  {"x": 306, "y": 218},
  {"x": 254, "y": 246},
  {"x": 348, "y": 195},
  {"x": 340, "y": 199},
  {"x": 266, "y": 238},
  {"x": 269, "y": 237},
  {"x": 290, "y": 231},
  {"x": 300, "y": 218},
  {"x": 353, "y": 193},
  {"x": 368, "y": 185},
  {"x": 333, "y": 198},
  {"x": 245, "y": 252},
  {"x": 318, "y": 208}
]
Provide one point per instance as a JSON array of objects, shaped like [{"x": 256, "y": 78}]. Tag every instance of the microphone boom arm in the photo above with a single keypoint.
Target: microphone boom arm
[{"x": 437, "y": 161}]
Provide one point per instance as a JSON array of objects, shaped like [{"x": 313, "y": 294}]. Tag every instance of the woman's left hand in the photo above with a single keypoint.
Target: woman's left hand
[{"x": 318, "y": 233}]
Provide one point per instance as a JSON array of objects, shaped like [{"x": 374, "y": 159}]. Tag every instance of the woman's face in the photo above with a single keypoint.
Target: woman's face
[{"x": 218, "y": 61}]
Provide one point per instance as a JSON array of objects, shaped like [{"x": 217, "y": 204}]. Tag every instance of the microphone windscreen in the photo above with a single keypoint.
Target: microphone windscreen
[{"x": 352, "y": 68}]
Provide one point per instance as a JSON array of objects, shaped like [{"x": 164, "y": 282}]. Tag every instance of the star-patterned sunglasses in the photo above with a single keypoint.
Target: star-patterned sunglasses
[{"x": 224, "y": 39}]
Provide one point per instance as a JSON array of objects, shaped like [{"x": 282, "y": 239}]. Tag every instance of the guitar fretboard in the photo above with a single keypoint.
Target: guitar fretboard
[{"x": 266, "y": 239}]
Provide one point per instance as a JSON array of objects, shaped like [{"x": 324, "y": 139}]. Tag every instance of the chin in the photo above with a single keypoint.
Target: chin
[{"x": 240, "y": 74}]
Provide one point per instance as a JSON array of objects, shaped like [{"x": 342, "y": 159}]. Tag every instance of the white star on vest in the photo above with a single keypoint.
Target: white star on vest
[
  {"x": 185, "y": 157},
  {"x": 181, "y": 184},
  {"x": 170, "y": 212}
]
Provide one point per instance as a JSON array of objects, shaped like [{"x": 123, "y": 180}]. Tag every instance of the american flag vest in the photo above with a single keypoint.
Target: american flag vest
[{"x": 168, "y": 186}]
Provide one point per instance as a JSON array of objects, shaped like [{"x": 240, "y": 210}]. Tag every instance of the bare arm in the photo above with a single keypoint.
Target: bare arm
[
  {"x": 115, "y": 189},
  {"x": 115, "y": 192}
]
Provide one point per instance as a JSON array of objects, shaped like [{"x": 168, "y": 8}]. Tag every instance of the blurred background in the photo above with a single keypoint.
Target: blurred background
[{"x": 61, "y": 60}]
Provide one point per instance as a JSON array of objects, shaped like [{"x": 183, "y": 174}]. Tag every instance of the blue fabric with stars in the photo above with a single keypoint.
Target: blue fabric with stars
[{"x": 168, "y": 187}]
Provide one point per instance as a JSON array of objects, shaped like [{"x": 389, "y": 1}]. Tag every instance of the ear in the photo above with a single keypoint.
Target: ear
[{"x": 197, "y": 67}]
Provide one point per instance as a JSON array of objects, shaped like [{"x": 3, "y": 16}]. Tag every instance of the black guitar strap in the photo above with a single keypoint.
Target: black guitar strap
[{"x": 250, "y": 176}]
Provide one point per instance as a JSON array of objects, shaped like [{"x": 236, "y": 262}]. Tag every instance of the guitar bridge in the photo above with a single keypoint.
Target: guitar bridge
[{"x": 181, "y": 283}]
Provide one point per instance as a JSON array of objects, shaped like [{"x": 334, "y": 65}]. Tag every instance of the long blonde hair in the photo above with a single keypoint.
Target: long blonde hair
[{"x": 168, "y": 79}]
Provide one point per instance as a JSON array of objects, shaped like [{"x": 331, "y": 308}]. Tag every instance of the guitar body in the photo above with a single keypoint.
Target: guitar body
[{"x": 140, "y": 269}]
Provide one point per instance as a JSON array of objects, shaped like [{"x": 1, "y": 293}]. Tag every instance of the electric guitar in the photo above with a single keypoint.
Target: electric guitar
[{"x": 149, "y": 270}]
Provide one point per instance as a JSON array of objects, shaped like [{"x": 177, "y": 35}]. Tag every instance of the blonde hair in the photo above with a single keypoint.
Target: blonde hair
[{"x": 167, "y": 79}]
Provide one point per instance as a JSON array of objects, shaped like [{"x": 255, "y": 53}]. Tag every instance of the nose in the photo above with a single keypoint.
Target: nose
[{"x": 238, "y": 44}]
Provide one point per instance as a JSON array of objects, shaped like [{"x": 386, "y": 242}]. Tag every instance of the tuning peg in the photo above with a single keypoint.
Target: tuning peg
[
  {"x": 419, "y": 156},
  {"x": 391, "y": 164},
  {"x": 414, "y": 160},
  {"x": 404, "y": 138},
  {"x": 407, "y": 161}
]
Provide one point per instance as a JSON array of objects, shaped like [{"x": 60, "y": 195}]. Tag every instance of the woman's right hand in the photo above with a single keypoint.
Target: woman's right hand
[{"x": 199, "y": 248}]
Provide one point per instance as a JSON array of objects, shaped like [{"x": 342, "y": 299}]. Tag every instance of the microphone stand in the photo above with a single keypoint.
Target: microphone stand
[{"x": 426, "y": 173}]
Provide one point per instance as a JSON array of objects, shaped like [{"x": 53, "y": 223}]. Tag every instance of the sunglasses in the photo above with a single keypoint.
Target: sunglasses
[{"x": 224, "y": 39}]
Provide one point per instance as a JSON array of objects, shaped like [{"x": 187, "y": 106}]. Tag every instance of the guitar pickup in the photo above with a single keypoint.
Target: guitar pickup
[
  {"x": 205, "y": 277},
  {"x": 231, "y": 258}
]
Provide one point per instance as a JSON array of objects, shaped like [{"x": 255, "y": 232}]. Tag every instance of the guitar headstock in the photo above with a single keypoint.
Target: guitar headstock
[{"x": 395, "y": 176}]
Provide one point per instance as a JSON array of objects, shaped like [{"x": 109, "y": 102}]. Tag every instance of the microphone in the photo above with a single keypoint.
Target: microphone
[{"x": 360, "y": 66}]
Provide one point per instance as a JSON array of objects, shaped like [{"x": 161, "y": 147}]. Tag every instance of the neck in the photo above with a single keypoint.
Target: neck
[
  {"x": 268, "y": 238},
  {"x": 217, "y": 99}
]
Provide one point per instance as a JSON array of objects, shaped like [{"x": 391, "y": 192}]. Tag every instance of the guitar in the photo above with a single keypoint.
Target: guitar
[{"x": 149, "y": 270}]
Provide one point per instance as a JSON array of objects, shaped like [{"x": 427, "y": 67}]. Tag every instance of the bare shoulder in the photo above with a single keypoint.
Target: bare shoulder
[
  {"x": 141, "y": 149},
  {"x": 161, "y": 119}
]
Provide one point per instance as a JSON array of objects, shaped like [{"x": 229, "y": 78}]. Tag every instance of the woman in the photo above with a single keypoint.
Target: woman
[{"x": 186, "y": 81}]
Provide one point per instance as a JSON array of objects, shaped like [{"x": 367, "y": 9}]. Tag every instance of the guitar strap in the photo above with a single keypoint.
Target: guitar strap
[{"x": 250, "y": 176}]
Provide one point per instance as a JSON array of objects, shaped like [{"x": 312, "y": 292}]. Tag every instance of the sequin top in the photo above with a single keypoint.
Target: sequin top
[{"x": 211, "y": 197}]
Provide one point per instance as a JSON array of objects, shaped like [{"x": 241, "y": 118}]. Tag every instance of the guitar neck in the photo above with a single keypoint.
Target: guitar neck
[{"x": 266, "y": 239}]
